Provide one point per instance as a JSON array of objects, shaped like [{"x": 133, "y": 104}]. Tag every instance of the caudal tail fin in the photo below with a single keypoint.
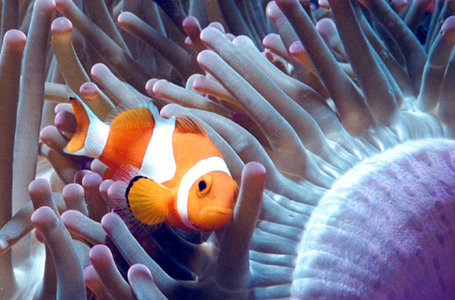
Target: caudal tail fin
[{"x": 91, "y": 133}]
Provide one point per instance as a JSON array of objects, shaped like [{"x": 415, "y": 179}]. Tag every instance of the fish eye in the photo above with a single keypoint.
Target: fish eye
[{"x": 203, "y": 185}]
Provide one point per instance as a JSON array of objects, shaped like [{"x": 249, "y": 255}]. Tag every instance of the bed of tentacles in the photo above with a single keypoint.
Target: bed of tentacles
[{"x": 336, "y": 120}]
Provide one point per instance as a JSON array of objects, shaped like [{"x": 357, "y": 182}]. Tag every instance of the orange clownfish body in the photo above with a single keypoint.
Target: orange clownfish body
[{"x": 181, "y": 177}]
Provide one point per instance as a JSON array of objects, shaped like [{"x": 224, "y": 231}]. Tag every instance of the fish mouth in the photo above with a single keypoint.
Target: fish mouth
[
  {"x": 216, "y": 210},
  {"x": 213, "y": 217}
]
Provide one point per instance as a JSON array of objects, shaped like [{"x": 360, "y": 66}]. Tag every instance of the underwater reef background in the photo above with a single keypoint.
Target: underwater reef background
[{"x": 335, "y": 119}]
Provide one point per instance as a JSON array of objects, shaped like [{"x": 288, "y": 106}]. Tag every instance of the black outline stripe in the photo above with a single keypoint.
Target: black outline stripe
[{"x": 132, "y": 181}]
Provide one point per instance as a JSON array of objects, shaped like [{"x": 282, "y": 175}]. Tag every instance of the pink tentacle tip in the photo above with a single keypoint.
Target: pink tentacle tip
[
  {"x": 326, "y": 26},
  {"x": 44, "y": 219},
  {"x": 65, "y": 121},
  {"x": 170, "y": 110},
  {"x": 191, "y": 26},
  {"x": 200, "y": 84},
  {"x": 101, "y": 257},
  {"x": 189, "y": 43},
  {"x": 254, "y": 168},
  {"x": 72, "y": 189},
  {"x": 205, "y": 58},
  {"x": 448, "y": 29},
  {"x": 108, "y": 220},
  {"x": 159, "y": 88},
  {"x": 39, "y": 187},
  {"x": 149, "y": 86},
  {"x": 189, "y": 21},
  {"x": 99, "y": 70},
  {"x": 271, "y": 40},
  {"x": 123, "y": 17},
  {"x": 99, "y": 252},
  {"x": 206, "y": 33},
  {"x": 140, "y": 271},
  {"x": 61, "y": 25},
  {"x": 46, "y": 134},
  {"x": 67, "y": 216},
  {"x": 104, "y": 186},
  {"x": 296, "y": 48},
  {"x": 91, "y": 180},
  {"x": 15, "y": 38},
  {"x": 115, "y": 189},
  {"x": 89, "y": 90},
  {"x": 70, "y": 218},
  {"x": 273, "y": 11}
]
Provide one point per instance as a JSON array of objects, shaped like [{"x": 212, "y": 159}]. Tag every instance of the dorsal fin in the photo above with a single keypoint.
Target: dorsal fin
[
  {"x": 134, "y": 118},
  {"x": 122, "y": 107},
  {"x": 186, "y": 124}
]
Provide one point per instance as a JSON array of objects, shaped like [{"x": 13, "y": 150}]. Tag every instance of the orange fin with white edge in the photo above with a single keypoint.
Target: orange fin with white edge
[
  {"x": 148, "y": 200},
  {"x": 133, "y": 119},
  {"x": 91, "y": 133}
]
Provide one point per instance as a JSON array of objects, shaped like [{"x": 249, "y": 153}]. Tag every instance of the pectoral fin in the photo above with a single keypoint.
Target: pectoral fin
[{"x": 148, "y": 200}]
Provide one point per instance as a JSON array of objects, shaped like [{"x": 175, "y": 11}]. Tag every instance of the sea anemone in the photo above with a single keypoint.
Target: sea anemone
[{"x": 337, "y": 123}]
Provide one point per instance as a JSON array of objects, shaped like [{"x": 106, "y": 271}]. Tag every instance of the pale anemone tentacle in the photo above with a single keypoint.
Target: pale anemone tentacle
[
  {"x": 69, "y": 273},
  {"x": 10, "y": 59},
  {"x": 436, "y": 66},
  {"x": 350, "y": 104},
  {"x": 118, "y": 90},
  {"x": 31, "y": 98},
  {"x": 123, "y": 63},
  {"x": 178, "y": 57},
  {"x": 281, "y": 142},
  {"x": 305, "y": 96},
  {"x": 73, "y": 195},
  {"x": 412, "y": 50},
  {"x": 104, "y": 20},
  {"x": 164, "y": 90},
  {"x": 96, "y": 206},
  {"x": 104, "y": 265},
  {"x": 70, "y": 65},
  {"x": 376, "y": 89},
  {"x": 192, "y": 29},
  {"x": 300, "y": 120},
  {"x": 306, "y": 74},
  {"x": 142, "y": 283},
  {"x": 78, "y": 224},
  {"x": 64, "y": 167}
]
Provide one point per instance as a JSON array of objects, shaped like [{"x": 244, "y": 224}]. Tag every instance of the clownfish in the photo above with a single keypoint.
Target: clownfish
[{"x": 181, "y": 177}]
